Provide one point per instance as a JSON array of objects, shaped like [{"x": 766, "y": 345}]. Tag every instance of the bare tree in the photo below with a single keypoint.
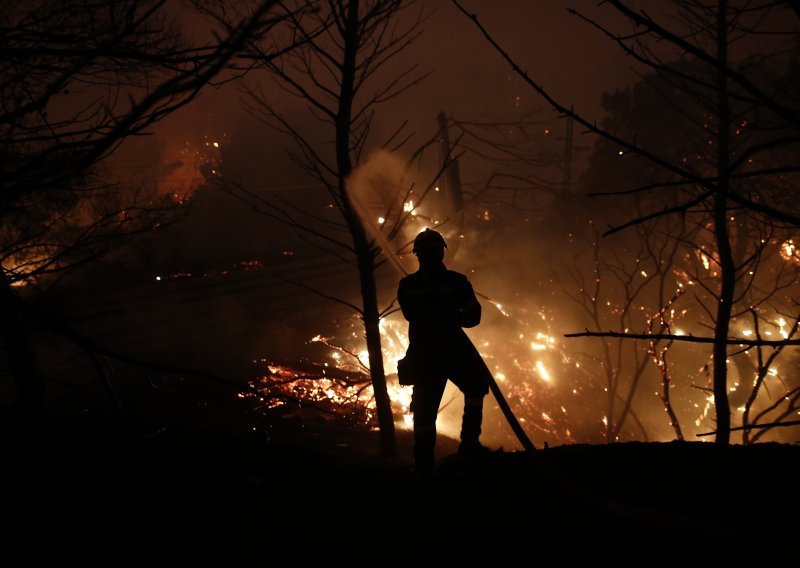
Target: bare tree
[
  {"x": 732, "y": 94},
  {"x": 341, "y": 74},
  {"x": 626, "y": 286}
]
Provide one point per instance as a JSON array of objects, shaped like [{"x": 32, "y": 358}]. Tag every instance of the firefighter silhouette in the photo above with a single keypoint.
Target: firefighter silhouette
[{"x": 438, "y": 303}]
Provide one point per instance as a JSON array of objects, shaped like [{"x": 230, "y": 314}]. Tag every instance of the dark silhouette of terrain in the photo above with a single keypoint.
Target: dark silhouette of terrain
[{"x": 300, "y": 490}]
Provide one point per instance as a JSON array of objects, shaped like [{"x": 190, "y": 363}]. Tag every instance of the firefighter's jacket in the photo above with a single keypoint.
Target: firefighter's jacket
[{"x": 438, "y": 303}]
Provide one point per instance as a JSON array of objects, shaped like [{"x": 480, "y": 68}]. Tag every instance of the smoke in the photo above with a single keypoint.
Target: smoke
[
  {"x": 376, "y": 190},
  {"x": 187, "y": 165}
]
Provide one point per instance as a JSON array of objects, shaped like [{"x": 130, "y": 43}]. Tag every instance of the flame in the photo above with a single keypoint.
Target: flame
[
  {"x": 542, "y": 371},
  {"x": 789, "y": 250},
  {"x": 344, "y": 386},
  {"x": 20, "y": 269},
  {"x": 499, "y": 307}
]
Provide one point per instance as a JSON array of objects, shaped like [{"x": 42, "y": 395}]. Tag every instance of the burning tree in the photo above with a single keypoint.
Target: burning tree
[
  {"x": 751, "y": 95},
  {"x": 78, "y": 78}
]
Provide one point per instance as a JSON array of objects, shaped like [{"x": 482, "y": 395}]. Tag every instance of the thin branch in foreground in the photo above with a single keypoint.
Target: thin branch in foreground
[
  {"x": 686, "y": 338},
  {"x": 756, "y": 427},
  {"x": 322, "y": 294}
]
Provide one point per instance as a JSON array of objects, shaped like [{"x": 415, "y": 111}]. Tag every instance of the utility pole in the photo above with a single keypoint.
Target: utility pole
[
  {"x": 452, "y": 174},
  {"x": 566, "y": 187}
]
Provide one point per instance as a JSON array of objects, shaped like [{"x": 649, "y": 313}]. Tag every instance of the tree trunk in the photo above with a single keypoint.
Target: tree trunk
[
  {"x": 22, "y": 367},
  {"x": 611, "y": 392},
  {"x": 369, "y": 299},
  {"x": 627, "y": 400},
  {"x": 364, "y": 252},
  {"x": 665, "y": 398},
  {"x": 726, "y": 264},
  {"x": 452, "y": 174},
  {"x": 454, "y": 193}
]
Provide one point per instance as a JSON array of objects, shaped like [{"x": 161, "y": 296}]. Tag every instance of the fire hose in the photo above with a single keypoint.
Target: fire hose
[{"x": 510, "y": 417}]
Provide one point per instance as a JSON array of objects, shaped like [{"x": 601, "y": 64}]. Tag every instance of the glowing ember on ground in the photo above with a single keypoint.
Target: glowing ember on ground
[
  {"x": 342, "y": 388},
  {"x": 241, "y": 266}
]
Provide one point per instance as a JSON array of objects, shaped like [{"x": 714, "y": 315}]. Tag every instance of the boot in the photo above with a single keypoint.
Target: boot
[
  {"x": 471, "y": 428},
  {"x": 424, "y": 448}
]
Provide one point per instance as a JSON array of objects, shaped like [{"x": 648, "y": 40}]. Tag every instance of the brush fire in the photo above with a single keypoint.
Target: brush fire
[{"x": 562, "y": 390}]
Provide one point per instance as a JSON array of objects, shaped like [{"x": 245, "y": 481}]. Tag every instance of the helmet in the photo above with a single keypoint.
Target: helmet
[{"x": 429, "y": 239}]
